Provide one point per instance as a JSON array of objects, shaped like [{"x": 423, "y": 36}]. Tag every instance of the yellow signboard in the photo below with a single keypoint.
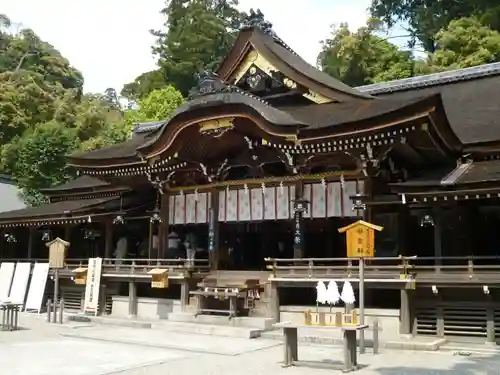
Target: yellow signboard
[{"x": 360, "y": 239}]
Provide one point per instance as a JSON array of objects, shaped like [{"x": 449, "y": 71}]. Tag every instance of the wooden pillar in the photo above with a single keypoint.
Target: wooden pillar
[
  {"x": 150, "y": 240},
  {"x": 438, "y": 230},
  {"x": 30, "y": 242},
  {"x": 405, "y": 322},
  {"x": 213, "y": 230},
  {"x": 163, "y": 227},
  {"x": 108, "y": 240}
]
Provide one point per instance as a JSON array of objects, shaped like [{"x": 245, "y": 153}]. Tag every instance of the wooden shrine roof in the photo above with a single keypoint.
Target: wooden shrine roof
[
  {"x": 474, "y": 173},
  {"x": 469, "y": 99},
  {"x": 283, "y": 58},
  {"x": 306, "y": 120},
  {"x": 69, "y": 211},
  {"x": 81, "y": 182}
]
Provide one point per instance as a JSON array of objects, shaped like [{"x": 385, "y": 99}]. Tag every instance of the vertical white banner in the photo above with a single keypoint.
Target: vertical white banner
[
  {"x": 6, "y": 274},
  {"x": 20, "y": 282},
  {"x": 93, "y": 285},
  {"x": 37, "y": 287}
]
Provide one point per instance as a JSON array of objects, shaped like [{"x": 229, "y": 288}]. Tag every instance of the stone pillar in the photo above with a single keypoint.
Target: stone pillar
[
  {"x": 490, "y": 326},
  {"x": 184, "y": 294},
  {"x": 132, "y": 299},
  {"x": 273, "y": 301},
  {"x": 405, "y": 322}
]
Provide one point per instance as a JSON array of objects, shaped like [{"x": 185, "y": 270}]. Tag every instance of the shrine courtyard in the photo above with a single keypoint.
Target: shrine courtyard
[{"x": 89, "y": 349}]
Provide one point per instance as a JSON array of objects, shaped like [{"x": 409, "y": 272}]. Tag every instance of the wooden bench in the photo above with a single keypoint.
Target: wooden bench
[
  {"x": 222, "y": 289},
  {"x": 290, "y": 334}
]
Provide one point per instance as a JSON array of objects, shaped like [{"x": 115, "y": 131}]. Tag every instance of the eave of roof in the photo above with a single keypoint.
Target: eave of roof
[
  {"x": 70, "y": 211},
  {"x": 434, "y": 79}
]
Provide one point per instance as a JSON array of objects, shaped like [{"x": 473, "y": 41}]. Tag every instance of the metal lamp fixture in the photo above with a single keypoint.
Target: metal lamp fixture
[
  {"x": 9, "y": 238},
  {"x": 155, "y": 215},
  {"x": 300, "y": 205},
  {"x": 358, "y": 202},
  {"x": 90, "y": 234},
  {"x": 426, "y": 221},
  {"x": 118, "y": 219},
  {"x": 46, "y": 235}
]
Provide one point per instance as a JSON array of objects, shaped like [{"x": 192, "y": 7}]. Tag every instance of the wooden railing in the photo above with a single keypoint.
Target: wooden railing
[
  {"x": 179, "y": 267},
  {"x": 423, "y": 269}
]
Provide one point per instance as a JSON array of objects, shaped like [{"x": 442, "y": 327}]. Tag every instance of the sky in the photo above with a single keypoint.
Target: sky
[{"x": 110, "y": 43}]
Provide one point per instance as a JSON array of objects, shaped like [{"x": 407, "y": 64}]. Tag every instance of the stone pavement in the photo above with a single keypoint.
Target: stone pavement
[{"x": 45, "y": 349}]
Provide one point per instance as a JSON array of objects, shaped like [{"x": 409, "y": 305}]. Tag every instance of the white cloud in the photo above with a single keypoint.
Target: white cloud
[{"x": 109, "y": 40}]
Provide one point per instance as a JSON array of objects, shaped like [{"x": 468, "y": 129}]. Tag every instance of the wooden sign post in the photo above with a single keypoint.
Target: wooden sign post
[
  {"x": 57, "y": 259},
  {"x": 360, "y": 243}
]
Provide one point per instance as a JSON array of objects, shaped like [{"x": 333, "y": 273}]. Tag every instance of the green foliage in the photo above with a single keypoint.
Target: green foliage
[
  {"x": 160, "y": 104},
  {"x": 143, "y": 85},
  {"x": 197, "y": 35},
  {"x": 43, "y": 114},
  {"x": 360, "y": 58},
  {"x": 38, "y": 158},
  {"x": 426, "y": 17},
  {"x": 466, "y": 42}
]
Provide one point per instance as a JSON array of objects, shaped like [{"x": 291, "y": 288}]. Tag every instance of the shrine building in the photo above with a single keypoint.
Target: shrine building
[{"x": 256, "y": 173}]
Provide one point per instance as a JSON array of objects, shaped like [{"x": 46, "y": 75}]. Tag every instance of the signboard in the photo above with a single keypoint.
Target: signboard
[
  {"x": 360, "y": 240},
  {"x": 211, "y": 230},
  {"x": 20, "y": 283},
  {"x": 93, "y": 285},
  {"x": 298, "y": 231},
  {"x": 37, "y": 287},
  {"x": 6, "y": 274}
]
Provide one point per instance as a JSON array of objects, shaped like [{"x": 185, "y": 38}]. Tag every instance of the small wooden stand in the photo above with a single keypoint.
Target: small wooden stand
[
  {"x": 159, "y": 278},
  {"x": 80, "y": 275},
  {"x": 57, "y": 260}
]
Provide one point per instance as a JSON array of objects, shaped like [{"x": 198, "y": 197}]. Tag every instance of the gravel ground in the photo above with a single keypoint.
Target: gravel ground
[{"x": 45, "y": 349}]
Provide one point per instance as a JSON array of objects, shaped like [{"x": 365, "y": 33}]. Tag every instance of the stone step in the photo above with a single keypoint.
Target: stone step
[
  {"x": 244, "y": 322},
  {"x": 208, "y": 329},
  {"x": 192, "y": 328}
]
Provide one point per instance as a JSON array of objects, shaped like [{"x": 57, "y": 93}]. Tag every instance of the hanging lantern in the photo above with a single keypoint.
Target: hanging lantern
[
  {"x": 155, "y": 215},
  {"x": 358, "y": 202},
  {"x": 427, "y": 220},
  {"x": 282, "y": 188},
  {"x": 46, "y": 235},
  {"x": 118, "y": 220}
]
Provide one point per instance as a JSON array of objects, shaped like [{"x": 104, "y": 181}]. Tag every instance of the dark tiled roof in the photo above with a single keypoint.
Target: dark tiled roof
[
  {"x": 123, "y": 150},
  {"x": 477, "y": 172},
  {"x": 435, "y": 79},
  {"x": 82, "y": 182},
  {"x": 331, "y": 114},
  {"x": 57, "y": 209},
  {"x": 147, "y": 127},
  {"x": 472, "y": 106}
]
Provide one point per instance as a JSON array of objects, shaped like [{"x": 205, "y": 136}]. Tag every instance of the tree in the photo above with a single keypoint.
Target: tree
[
  {"x": 197, "y": 35},
  {"x": 361, "y": 57},
  {"x": 143, "y": 85},
  {"x": 465, "y": 43},
  {"x": 38, "y": 159},
  {"x": 426, "y": 17}
]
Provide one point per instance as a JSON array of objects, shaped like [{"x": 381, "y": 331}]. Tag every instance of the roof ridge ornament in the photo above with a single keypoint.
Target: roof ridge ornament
[
  {"x": 209, "y": 83},
  {"x": 255, "y": 19}
]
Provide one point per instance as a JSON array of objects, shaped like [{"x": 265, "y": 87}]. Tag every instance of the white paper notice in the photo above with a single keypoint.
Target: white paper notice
[
  {"x": 20, "y": 282},
  {"x": 37, "y": 286}
]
